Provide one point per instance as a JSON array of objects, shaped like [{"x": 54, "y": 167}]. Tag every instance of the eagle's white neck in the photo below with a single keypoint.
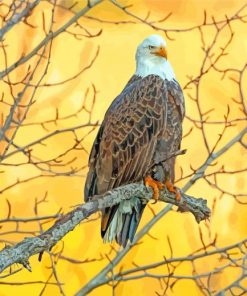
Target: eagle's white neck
[{"x": 156, "y": 66}]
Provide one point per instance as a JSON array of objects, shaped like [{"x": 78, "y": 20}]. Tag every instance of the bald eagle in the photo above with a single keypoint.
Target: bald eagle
[{"x": 138, "y": 139}]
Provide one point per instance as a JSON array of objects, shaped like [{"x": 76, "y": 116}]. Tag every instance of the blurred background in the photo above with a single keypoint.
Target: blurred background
[{"x": 53, "y": 99}]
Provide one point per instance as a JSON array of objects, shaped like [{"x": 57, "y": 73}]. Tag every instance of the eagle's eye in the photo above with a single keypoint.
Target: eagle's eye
[{"x": 151, "y": 47}]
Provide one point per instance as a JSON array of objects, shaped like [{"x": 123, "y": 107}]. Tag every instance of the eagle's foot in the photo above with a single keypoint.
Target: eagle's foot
[
  {"x": 155, "y": 185},
  {"x": 173, "y": 189}
]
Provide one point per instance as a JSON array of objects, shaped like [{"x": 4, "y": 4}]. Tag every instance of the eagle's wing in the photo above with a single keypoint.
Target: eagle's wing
[
  {"x": 124, "y": 148},
  {"x": 176, "y": 92},
  {"x": 170, "y": 141}
]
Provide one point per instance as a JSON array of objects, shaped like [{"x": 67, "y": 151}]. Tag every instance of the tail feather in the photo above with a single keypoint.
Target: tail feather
[
  {"x": 136, "y": 217},
  {"x": 123, "y": 220},
  {"x": 107, "y": 216},
  {"x": 123, "y": 235}
]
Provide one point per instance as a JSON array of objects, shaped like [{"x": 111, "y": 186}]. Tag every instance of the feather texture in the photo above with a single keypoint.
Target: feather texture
[{"x": 142, "y": 126}]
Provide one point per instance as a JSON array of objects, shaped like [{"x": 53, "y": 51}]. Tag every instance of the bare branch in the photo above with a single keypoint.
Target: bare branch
[
  {"x": 30, "y": 246},
  {"x": 51, "y": 35},
  {"x": 200, "y": 172},
  {"x": 17, "y": 17},
  {"x": 56, "y": 132},
  {"x": 102, "y": 275}
]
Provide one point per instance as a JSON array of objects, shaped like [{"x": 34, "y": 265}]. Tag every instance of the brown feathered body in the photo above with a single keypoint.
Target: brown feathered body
[{"x": 141, "y": 131}]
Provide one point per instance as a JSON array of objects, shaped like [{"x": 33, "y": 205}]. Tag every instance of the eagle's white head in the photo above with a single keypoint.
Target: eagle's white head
[{"x": 151, "y": 58}]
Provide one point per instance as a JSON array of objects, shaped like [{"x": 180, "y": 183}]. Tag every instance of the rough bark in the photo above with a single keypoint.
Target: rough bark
[{"x": 21, "y": 252}]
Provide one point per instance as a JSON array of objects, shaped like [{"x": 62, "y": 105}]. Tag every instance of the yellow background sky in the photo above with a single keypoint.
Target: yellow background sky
[{"x": 109, "y": 73}]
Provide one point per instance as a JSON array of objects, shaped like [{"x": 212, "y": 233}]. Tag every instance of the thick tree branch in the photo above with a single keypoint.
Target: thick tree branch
[{"x": 21, "y": 252}]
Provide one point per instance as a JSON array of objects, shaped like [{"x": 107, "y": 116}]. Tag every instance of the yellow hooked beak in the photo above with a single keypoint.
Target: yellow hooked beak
[{"x": 160, "y": 51}]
